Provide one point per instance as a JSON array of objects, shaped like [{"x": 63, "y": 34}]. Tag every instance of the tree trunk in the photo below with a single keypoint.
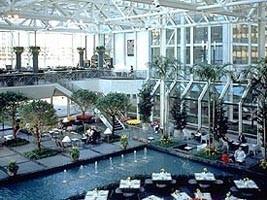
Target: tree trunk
[
  {"x": 38, "y": 138},
  {"x": 113, "y": 124},
  {"x": 14, "y": 126}
]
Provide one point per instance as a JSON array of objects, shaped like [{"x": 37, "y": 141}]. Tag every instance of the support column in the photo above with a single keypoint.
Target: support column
[
  {"x": 100, "y": 52},
  {"x": 137, "y": 108},
  {"x": 35, "y": 52},
  {"x": 68, "y": 106},
  {"x": 86, "y": 49},
  {"x": 52, "y": 100},
  {"x": 261, "y": 30},
  {"x": 81, "y": 56},
  {"x": 240, "y": 118},
  {"x": 18, "y": 51}
]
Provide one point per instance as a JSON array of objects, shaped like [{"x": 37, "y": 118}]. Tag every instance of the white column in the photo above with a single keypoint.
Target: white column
[
  {"x": 261, "y": 30},
  {"x": 209, "y": 58},
  {"x": 68, "y": 106},
  {"x": 249, "y": 44},
  {"x": 125, "y": 50},
  {"x": 52, "y": 101},
  {"x": 183, "y": 42},
  {"x": 113, "y": 48},
  {"x": 135, "y": 49},
  {"x": 191, "y": 45},
  {"x": 137, "y": 107}
]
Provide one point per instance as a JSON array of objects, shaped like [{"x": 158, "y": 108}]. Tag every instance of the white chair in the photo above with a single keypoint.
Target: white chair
[
  {"x": 254, "y": 148},
  {"x": 205, "y": 138},
  {"x": 187, "y": 134}
]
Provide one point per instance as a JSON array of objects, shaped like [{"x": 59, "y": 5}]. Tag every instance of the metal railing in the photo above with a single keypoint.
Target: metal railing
[{"x": 19, "y": 79}]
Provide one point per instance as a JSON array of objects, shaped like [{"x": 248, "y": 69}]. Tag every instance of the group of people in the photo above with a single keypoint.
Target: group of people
[
  {"x": 92, "y": 135},
  {"x": 239, "y": 154}
]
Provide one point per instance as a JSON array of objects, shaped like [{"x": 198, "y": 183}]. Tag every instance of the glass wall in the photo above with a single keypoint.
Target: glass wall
[{"x": 57, "y": 49}]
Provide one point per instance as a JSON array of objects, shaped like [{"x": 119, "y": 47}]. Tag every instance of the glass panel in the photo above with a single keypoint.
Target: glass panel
[
  {"x": 240, "y": 33},
  {"x": 194, "y": 91},
  {"x": 240, "y": 54},
  {"x": 170, "y": 34},
  {"x": 155, "y": 52},
  {"x": 216, "y": 34},
  {"x": 198, "y": 54},
  {"x": 170, "y": 52},
  {"x": 187, "y": 36},
  {"x": 217, "y": 54},
  {"x": 178, "y": 35},
  {"x": 187, "y": 55},
  {"x": 254, "y": 55},
  {"x": 254, "y": 34},
  {"x": 200, "y": 34},
  {"x": 155, "y": 37}
]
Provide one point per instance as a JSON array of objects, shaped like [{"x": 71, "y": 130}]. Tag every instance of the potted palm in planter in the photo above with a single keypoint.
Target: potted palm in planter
[
  {"x": 75, "y": 153},
  {"x": 124, "y": 141},
  {"x": 12, "y": 168}
]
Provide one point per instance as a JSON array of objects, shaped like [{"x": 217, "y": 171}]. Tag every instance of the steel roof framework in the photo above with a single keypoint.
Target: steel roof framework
[{"x": 103, "y": 16}]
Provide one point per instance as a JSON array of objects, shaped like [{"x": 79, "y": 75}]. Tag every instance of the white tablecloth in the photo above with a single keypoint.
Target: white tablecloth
[
  {"x": 152, "y": 197},
  {"x": 205, "y": 176},
  {"x": 242, "y": 184},
  {"x": 181, "y": 196},
  {"x": 97, "y": 195},
  {"x": 130, "y": 184},
  {"x": 162, "y": 176},
  {"x": 204, "y": 196}
]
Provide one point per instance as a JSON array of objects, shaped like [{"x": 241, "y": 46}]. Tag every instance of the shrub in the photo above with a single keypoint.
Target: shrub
[
  {"x": 263, "y": 164},
  {"x": 165, "y": 140},
  {"x": 75, "y": 153},
  {"x": 39, "y": 154},
  {"x": 124, "y": 141},
  {"x": 12, "y": 168}
]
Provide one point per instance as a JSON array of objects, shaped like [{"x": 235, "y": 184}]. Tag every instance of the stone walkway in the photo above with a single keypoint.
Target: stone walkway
[{"x": 26, "y": 165}]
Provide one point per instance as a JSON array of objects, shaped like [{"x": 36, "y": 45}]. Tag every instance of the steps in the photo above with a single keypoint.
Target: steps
[{"x": 117, "y": 126}]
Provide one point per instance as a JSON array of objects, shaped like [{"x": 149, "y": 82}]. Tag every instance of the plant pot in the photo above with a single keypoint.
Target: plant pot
[
  {"x": 177, "y": 133},
  {"x": 13, "y": 173}
]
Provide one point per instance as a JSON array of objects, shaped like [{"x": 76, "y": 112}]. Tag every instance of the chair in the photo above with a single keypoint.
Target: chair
[
  {"x": 205, "y": 138},
  {"x": 254, "y": 148}
]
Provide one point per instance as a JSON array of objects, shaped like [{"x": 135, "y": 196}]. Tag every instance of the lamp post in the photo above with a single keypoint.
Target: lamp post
[{"x": 213, "y": 53}]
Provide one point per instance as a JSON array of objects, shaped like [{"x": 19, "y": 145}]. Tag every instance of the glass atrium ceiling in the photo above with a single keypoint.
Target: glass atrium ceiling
[{"x": 102, "y": 16}]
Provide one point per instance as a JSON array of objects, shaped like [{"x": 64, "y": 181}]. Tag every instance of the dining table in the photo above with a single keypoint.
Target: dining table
[
  {"x": 128, "y": 184},
  {"x": 245, "y": 184},
  {"x": 180, "y": 196},
  {"x": 161, "y": 176},
  {"x": 97, "y": 195},
  {"x": 205, "y": 176},
  {"x": 152, "y": 197}
]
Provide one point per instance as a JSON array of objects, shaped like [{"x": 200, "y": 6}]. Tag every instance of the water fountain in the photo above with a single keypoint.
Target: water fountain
[
  {"x": 64, "y": 176},
  {"x": 96, "y": 171},
  {"x": 145, "y": 153},
  {"x": 122, "y": 160},
  {"x": 135, "y": 160},
  {"x": 81, "y": 172},
  {"x": 111, "y": 163}
]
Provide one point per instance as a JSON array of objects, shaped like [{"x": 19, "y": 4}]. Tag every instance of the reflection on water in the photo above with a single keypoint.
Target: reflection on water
[{"x": 84, "y": 178}]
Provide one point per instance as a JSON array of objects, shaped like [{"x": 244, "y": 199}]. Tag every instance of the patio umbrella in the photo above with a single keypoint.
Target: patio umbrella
[
  {"x": 66, "y": 139},
  {"x": 107, "y": 132}
]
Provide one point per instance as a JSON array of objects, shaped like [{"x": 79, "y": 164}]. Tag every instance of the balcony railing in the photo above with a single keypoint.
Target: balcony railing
[{"x": 19, "y": 79}]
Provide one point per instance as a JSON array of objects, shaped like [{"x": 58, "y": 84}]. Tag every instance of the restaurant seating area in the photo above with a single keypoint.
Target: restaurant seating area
[{"x": 162, "y": 185}]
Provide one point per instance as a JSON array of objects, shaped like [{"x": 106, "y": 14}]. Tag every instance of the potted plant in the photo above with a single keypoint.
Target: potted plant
[
  {"x": 12, "y": 168},
  {"x": 75, "y": 153},
  {"x": 124, "y": 141}
]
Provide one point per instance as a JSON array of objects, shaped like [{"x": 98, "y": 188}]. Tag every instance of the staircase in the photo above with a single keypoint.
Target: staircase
[{"x": 117, "y": 126}]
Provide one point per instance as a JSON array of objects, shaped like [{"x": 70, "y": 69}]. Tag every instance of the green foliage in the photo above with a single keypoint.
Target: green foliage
[
  {"x": 10, "y": 102},
  {"x": 75, "y": 153},
  {"x": 113, "y": 103},
  {"x": 263, "y": 164},
  {"x": 13, "y": 167},
  {"x": 207, "y": 153},
  {"x": 84, "y": 99},
  {"x": 208, "y": 72},
  {"x": 178, "y": 112},
  {"x": 165, "y": 140},
  {"x": 124, "y": 141},
  {"x": 221, "y": 121},
  {"x": 162, "y": 65},
  {"x": 16, "y": 142},
  {"x": 100, "y": 49},
  {"x": 146, "y": 103},
  {"x": 38, "y": 115},
  {"x": 18, "y": 49},
  {"x": 37, "y": 154}
]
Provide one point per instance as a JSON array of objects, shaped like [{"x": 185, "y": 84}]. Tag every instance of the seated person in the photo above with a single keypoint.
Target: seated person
[
  {"x": 225, "y": 158},
  {"x": 240, "y": 155},
  {"x": 242, "y": 139}
]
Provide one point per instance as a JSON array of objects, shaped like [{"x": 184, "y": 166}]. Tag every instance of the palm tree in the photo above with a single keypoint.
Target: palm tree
[
  {"x": 209, "y": 73},
  {"x": 162, "y": 66},
  {"x": 258, "y": 77}
]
